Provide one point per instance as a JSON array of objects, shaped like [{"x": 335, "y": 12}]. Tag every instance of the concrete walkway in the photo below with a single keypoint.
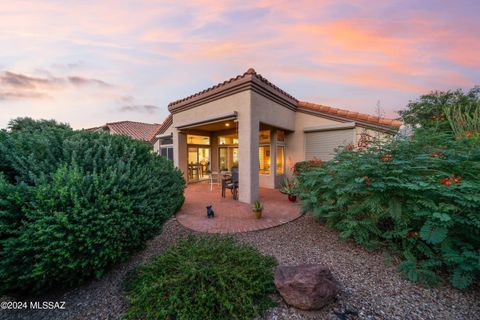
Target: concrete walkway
[{"x": 232, "y": 216}]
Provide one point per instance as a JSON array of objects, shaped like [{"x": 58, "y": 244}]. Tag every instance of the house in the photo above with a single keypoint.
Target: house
[
  {"x": 249, "y": 123},
  {"x": 135, "y": 130}
]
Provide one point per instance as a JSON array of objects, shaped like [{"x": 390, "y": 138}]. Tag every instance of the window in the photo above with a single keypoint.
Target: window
[
  {"x": 167, "y": 152},
  {"x": 264, "y": 159},
  {"x": 166, "y": 147},
  {"x": 280, "y": 159},
  {"x": 228, "y": 139},
  {"x": 193, "y": 139},
  {"x": 264, "y": 136},
  {"x": 227, "y": 158}
]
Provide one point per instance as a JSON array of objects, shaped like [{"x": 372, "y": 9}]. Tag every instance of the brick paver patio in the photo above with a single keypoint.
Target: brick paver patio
[{"x": 233, "y": 216}]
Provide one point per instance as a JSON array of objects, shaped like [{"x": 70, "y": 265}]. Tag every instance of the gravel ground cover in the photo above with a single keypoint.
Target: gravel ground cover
[{"x": 371, "y": 287}]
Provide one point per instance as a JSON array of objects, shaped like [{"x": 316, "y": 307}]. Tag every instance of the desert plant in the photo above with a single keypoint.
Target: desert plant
[
  {"x": 420, "y": 196},
  {"x": 74, "y": 203},
  {"x": 257, "y": 206},
  {"x": 464, "y": 119},
  {"x": 202, "y": 278},
  {"x": 306, "y": 165},
  {"x": 288, "y": 186}
]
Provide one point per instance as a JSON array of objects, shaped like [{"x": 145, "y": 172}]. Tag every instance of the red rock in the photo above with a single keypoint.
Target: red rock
[{"x": 306, "y": 287}]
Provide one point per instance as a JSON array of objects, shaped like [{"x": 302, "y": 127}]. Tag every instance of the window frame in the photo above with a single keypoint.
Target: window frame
[
  {"x": 280, "y": 145},
  {"x": 167, "y": 147}
]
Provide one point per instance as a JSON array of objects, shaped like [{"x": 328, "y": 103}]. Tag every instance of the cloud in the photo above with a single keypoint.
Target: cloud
[
  {"x": 144, "y": 108},
  {"x": 127, "y": 99},
  {"x": 17, "y": 86},
  {"x": 80, "y": 81},
  {"x": 21, "y": 81},
  {"x": 14, "y": 95}
]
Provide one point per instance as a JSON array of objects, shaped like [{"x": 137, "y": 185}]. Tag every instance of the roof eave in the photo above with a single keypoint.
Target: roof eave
[{"x": 360, "y": 123}]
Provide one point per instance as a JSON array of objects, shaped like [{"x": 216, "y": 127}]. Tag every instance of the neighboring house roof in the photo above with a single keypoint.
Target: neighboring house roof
[
  {"x": 251, "y": 80},
  {"x": 135, "y": 130},
  {"x": 163, "y": 127}
]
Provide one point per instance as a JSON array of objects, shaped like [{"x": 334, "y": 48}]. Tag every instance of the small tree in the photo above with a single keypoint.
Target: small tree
[
  {"x": 429, "y": 110},
  {"x": 29, "y": 124}
]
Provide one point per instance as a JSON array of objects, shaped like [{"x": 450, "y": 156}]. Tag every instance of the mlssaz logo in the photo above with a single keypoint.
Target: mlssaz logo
[{"x": 47, "y": 305}]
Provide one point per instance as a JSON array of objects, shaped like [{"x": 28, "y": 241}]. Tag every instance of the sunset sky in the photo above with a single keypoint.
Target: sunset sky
[{"x": 92, "y": 62}]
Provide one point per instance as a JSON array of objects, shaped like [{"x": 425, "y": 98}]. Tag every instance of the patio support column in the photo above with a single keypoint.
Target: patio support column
[
  {"x": 180, "y": 156},
  {"x": 214, "y": 153},
  {"x": 248, "y": 157}
]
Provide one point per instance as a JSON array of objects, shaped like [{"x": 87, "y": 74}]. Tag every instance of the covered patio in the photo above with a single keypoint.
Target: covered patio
[{"x": 233, "y": 216}]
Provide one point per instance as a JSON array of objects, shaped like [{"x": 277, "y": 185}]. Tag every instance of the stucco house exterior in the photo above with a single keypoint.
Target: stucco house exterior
[{"x": 249, "y": 123}]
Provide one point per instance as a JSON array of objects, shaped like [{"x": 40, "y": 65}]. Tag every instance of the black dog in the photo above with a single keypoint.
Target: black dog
[{"x": 210, "y": 212}]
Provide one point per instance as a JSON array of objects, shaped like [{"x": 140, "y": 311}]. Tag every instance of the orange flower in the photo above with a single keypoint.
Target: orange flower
[
  {"x": 387, "y": 157},
  {"x": 449, "y": 180},
  {"x": 468, "y": 133}
]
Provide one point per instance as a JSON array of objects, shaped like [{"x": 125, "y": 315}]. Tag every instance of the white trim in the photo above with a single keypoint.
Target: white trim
[{"x": 160, "y": 136}]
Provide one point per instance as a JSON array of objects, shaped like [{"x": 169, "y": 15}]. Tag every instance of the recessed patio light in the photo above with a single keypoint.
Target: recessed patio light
[{"x": 227, "y": 124}]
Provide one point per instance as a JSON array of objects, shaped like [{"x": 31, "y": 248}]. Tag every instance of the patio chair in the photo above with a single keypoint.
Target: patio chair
[
  {"x": 232, "y": 184},
  {"x": 211, "y": 175}
]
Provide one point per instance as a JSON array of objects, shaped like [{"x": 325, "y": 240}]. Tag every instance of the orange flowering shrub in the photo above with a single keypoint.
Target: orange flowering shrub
[{"x": 419, "y": 195}]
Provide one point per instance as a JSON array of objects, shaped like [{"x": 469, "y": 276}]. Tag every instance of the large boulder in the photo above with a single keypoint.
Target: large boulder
[{"x": 306, "y": 287}]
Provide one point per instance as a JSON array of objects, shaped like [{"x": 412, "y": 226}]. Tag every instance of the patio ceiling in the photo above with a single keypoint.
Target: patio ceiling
[{"x": 223, "y": 122}]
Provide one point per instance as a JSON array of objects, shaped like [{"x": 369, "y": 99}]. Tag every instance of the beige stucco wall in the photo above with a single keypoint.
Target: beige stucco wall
[
  {"x": 295, "y": 141},
  {"x": 269, "y": 112},
  {"x": 247, "y": 136},
  {"x": 156, "y": 146},
  {"x": 273, "y": 114}
]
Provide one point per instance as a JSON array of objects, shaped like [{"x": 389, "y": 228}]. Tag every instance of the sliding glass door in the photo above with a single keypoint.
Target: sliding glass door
[{"x": 198, "y": 163}]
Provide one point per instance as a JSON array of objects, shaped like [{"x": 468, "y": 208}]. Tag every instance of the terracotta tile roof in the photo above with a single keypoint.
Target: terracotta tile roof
[
  {"x": 135, "y": 130},
  {"x": 249, "y": 75},
  {"x": 350, "y": 114},
  {"x": 163, "y": 127},
  {"x": 252, "y": 75}
]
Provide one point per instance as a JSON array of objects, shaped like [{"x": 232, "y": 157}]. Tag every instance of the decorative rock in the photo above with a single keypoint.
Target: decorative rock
[{"x": 306, "y": 287}]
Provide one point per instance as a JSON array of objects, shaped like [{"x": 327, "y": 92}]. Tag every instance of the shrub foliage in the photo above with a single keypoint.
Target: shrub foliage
[
  {"x": 421, "y": 196},
  {"x": 74, "y": 203},
  {"x": 202, "y": 278}
]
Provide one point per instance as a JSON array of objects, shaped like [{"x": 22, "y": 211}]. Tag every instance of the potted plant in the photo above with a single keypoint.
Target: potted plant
[
  {"x": 257, "y": 208},
  {"x": 288, "y": 188}
]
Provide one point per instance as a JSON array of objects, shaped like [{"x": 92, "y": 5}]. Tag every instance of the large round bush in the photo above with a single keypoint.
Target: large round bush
[
  {"x": 202, "y": 278},
  {"x": 73, "y": 203}
]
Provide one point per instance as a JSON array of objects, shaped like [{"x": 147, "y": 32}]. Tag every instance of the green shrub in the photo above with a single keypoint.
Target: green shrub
[
  {"x": 302, "y": 166},
  {"x": 74, "y": 203},
  {"x": 202, "y": 278},
  {"x": 420, "y": 196}
]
